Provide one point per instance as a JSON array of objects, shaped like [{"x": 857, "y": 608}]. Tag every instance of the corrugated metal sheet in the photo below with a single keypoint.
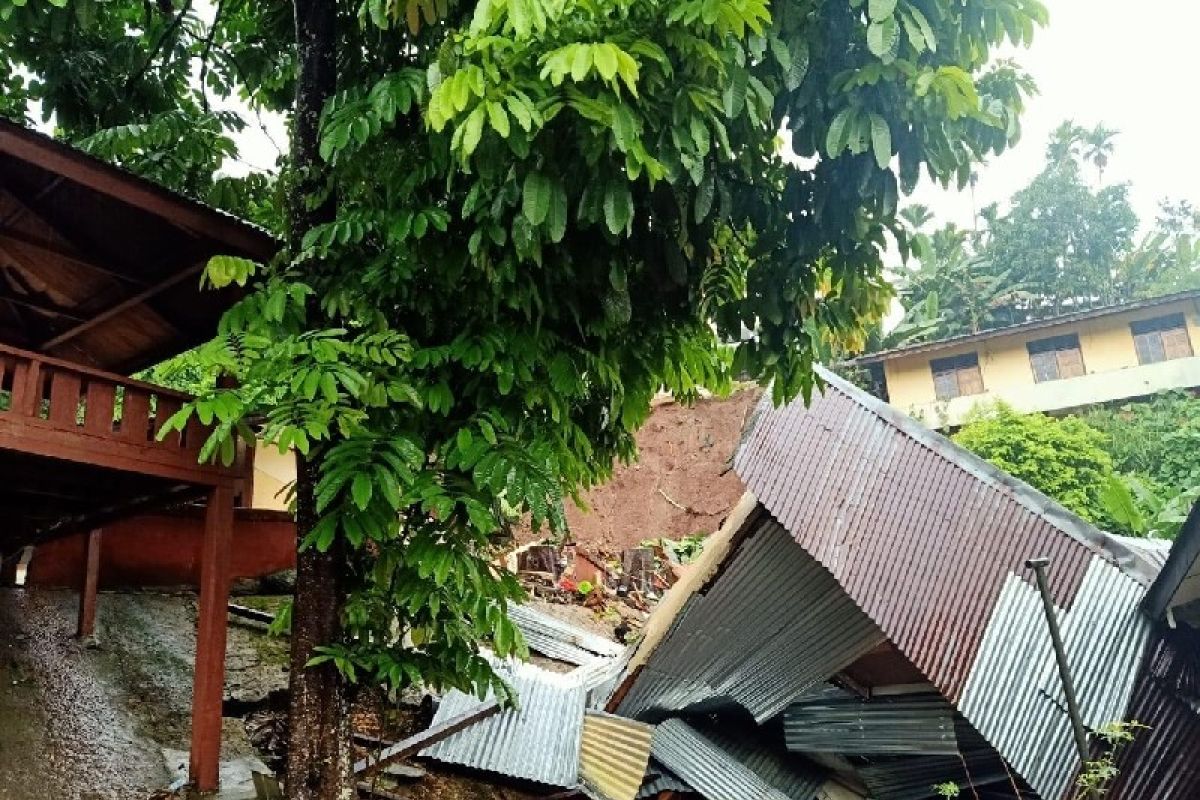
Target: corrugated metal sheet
[
  {"x": 659, "y": 779},
  {"x": 1163, "y": 761},
  {"x": 723, "y": 769},
  {"x": 1013, "y": 695},
  {"x": 560, "y": 640},
  {"x": 539, "y": 741},
  {"x": 772, "y": 625},
  {"x": 914, "y": 778},
  {"x": 920, "y": 532},
  {"x": 906, "y": 724},
  {"x": 600, "y": 678},
  {"x": 614, "y": 755}
]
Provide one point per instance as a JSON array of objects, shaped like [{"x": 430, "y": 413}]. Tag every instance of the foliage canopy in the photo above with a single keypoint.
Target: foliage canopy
[{"x": 546, "y": 213}]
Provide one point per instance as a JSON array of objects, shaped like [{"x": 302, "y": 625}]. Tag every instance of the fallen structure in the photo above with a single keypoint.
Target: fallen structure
[{"x": 865, "y": 625}]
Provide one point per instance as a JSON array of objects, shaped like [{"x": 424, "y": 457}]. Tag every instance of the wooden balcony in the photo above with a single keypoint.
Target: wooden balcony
[
  {"x": 79, "y": 446},
  {"x": 50, "y": 407}
]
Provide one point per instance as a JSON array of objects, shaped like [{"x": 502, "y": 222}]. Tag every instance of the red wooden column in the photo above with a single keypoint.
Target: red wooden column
[
  {"x": 91, "y": 584},
  {"x": 208, "y": 687}
]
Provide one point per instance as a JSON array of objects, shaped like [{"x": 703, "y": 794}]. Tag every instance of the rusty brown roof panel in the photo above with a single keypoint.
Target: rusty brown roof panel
[
  {"x": 919, "y": 531},
  {"x": 1163, "y": 761}
]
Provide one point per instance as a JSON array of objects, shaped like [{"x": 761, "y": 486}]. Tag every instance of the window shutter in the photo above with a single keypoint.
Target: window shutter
[
  {"x": 1175, "y": 343},
  {"x": 1070, "y": 363}
]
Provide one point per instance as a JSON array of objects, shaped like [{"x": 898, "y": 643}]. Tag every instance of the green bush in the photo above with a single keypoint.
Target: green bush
[{"x": 1065, "y": 459}]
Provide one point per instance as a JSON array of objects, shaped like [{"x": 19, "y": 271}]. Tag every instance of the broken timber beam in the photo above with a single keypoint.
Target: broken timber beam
[
  {"x": 430, "y": 736},
  {"x": 91, "y": 584}
]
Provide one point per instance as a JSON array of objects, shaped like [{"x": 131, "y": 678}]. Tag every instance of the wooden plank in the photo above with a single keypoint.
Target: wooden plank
[
  {"x": 20, "y": 355},
  {"x": 208, "y": 688},
  {"x": 135, "y": 415},
  {"x": 98, "y": 413},
  {"x": 430, "y": 736},
  {"x": 91, "y": 585},
  {"x": 64, "y": 398},
  {"x": 20, "y": 239},
  {"x": 27, "y": 387},
  {"x": 39, "y": 437}
]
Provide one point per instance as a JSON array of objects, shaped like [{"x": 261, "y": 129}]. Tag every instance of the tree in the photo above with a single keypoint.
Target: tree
[
  {"x": 1098, "y": 148},
  {"x": 1064, "y": 459},
  {"x": 542, "y": 214}
]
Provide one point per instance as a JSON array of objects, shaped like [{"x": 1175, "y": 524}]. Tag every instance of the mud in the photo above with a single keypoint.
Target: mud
[
  {"x": 80, "y": 723},
  {"x": 681, "y": 484}
]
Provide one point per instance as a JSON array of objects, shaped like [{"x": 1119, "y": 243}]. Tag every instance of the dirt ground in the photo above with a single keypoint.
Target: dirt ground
[
  {"x": 681, "y": 485},
  {"x": 80, "y": 723}
]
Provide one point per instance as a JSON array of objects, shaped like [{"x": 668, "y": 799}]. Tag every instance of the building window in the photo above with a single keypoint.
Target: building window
[
  {"x": 1055, "y": 358},
  {"x": 956, "y": 376},
  {"x": 1161, "y": 339}
]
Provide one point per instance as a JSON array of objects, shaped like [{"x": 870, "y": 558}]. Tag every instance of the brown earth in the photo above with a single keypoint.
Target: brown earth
[{"x": 681, "y": 484}]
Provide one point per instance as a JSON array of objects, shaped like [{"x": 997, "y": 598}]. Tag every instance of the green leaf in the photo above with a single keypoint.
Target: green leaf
[
  {"x": 535, "y": 197},
  {"x": 881, "y": 140},
  {"x": 799, "y": 67},
  {"x": 878, "y": 10},
  {"x": 835, "y": 140},
  {"x": 556, "y": 217},
  {"x": 361, "y": 490},
  {"x": 882, "y": 37},
  {"x": 618, "y": 205},
  {"x": 605, "y": 58},
  {"x": 472, "y": 130},
  {"x": 498, "y": 118}
]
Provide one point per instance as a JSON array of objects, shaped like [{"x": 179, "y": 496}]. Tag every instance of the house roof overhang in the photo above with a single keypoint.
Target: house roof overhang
[{"x": 101, "y": 267}]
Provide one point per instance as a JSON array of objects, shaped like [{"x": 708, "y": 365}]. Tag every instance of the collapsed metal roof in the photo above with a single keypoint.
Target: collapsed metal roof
[
  {"x": 775, "y": 625},
  {"x": 845, "y": 723}
]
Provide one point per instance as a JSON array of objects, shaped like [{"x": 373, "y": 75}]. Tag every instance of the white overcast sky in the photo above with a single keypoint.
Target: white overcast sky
[{"x": 1129, "y": 65}]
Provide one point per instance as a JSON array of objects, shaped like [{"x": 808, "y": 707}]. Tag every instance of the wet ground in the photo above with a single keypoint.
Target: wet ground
[{"x": 83, "y": 723}]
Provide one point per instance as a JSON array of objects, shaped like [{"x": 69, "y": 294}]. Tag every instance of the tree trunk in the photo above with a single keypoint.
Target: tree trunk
[{"x": 319, "y": 765}]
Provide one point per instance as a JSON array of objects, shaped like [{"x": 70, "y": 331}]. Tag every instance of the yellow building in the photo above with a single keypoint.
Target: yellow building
[{"x": 1053, "y": 365}]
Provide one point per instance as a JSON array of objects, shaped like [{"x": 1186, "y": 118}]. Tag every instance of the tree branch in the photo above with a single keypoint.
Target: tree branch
[
  {"x": 204, "y": 55},
  {"x": 159, "y": 45}
]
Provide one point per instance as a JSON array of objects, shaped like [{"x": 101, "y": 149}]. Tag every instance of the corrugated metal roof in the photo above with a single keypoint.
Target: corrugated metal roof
[
  {"x": 614, "y": 755},
  {"x": 906, "y": 724},
  {"x": 913, "y": 778},
  {"x": 920, "y": 532},
  {"x": 1163, "y": 760},
  {"x": 722, "y": 769},
  {"x": 539, "y": 741},
  {"x": 1023, "y": 327},
  {"x": 773, "y": 624},
  {"x": 659, "y": 779},
  {"x": 560, "y": 640},
  {"x": 1013, "y": 695}
]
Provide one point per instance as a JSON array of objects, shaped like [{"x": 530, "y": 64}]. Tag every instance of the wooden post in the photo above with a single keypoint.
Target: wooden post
[
  {"x": 90, "y": 585},
  {"x": 208, "y": 687}
]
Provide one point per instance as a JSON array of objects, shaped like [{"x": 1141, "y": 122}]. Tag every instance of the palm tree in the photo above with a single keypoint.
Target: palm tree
[
  {"x": 1098, "y": 146},
  {"x": 1064, "y": 142}
]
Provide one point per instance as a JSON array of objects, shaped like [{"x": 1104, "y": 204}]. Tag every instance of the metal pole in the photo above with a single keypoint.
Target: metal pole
[{"x": 1038, "y": 565}]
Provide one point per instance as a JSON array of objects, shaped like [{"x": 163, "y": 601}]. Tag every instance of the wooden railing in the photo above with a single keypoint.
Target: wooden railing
[{"x": 117, "y": 418}]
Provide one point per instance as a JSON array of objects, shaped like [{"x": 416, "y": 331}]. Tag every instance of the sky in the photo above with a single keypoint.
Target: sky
[{"x": 1129, "y": 65}]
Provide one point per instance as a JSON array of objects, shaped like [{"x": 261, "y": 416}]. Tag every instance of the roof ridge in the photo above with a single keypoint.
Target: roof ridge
[{"x": 1107, "y": 545}]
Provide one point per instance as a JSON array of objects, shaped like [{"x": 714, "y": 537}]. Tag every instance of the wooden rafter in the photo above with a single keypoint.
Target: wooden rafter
[
  {"x": 121, "y": 307},
  {"x": 20, "y": 239}
]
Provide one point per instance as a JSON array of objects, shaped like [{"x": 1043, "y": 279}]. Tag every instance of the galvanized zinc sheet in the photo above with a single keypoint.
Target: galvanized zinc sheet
[
  {"x": 614, "y": 755},
  {"x": 1013, "y": 695},
  {"x": 722, "y": 769},
  {"x": 539, "y": 741},
  {"x": 659, "y": 779},
  {"x": 560, "y": 640},
  {"x": 773, "y": 624},
  {"x": 920, "y": 532},
  {"x": 913, "y": 778},
  {"x": 921, "y": 723}
]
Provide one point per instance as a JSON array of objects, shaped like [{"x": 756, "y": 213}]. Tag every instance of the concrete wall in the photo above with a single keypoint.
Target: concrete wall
[
  {"x": 273, "y": 472},
  {"x": 1110, "y": 365}
]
